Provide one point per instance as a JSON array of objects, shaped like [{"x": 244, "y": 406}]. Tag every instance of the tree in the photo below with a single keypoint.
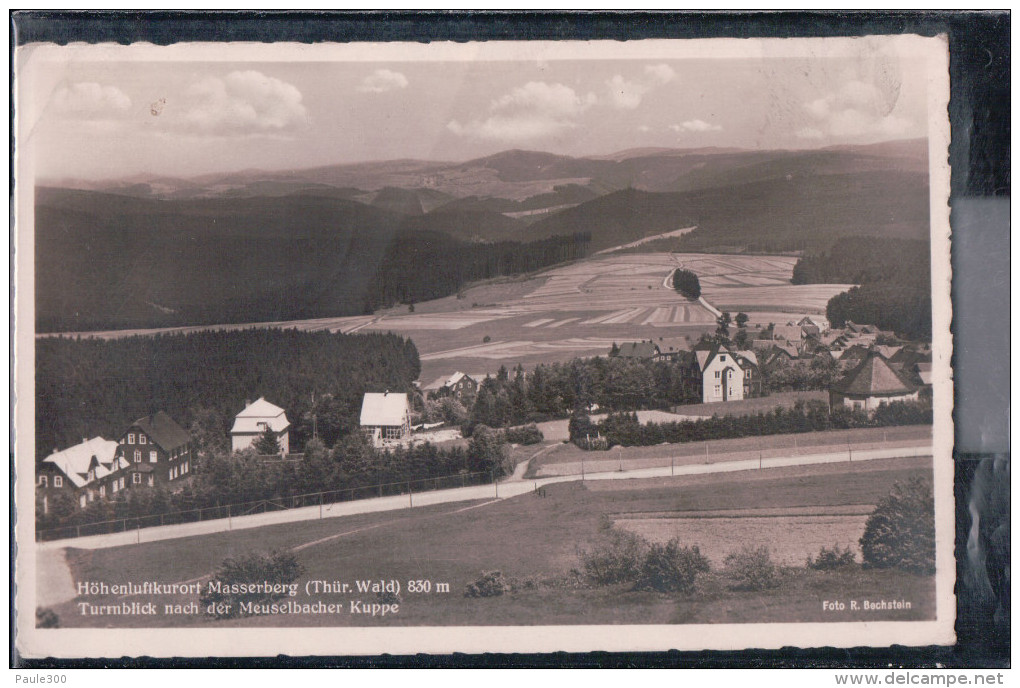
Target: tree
[
  {"x": 614, "y": 351},
  {"x": 722, "y": 325},
  {"x": 741, "y": 320},
  {"x": 267, "y": 443},
  {"x": 686, "y": 283},
  {"x": 901, "y": 531}
]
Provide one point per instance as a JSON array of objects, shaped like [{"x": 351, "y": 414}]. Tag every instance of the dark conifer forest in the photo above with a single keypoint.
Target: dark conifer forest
[
  {"x": 89, "y": 387},
  {"x": 894, "y": 278}
]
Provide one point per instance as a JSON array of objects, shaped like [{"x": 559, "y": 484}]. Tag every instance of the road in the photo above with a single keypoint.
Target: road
[{"x": 502, "y": 490}]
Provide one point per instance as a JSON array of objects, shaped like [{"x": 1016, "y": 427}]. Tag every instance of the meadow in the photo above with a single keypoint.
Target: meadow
[{"x": 534, "y": 539}]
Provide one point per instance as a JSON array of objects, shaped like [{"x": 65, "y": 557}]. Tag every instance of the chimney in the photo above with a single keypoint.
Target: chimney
[{"x": 247, "y": 403}]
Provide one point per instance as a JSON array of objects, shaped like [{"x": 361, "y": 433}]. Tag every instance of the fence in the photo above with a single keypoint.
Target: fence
[{"x": 261, "y": 506}]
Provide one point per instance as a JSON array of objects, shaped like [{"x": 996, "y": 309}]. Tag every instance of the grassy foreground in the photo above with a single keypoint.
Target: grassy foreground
[{"x": 534, "y": 539}]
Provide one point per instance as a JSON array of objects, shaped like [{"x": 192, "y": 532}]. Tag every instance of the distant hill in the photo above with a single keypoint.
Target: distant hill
[{"x": 108, "y": 261}]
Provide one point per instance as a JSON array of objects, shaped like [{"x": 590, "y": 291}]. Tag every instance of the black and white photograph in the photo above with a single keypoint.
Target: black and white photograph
[{"x": 513, "y": 346}]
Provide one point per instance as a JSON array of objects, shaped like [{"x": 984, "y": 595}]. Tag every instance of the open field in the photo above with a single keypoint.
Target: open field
[
  {"x": 578, "y": 309},
  {"x": 535, "y": 538},
  {"x": 566, "y": 459}
]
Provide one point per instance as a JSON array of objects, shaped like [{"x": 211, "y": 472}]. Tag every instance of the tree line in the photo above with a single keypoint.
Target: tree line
[
  {"x": 223, "y": 477},
  {"x": 422, "y": 265},
  {"x": 624, "y": 429},
  {"x": 894, "y": 278},
  {"x": 89, "y": 387}
]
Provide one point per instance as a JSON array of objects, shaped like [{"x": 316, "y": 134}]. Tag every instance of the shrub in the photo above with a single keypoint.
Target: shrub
[
  {"x": 616, "y": 557},
  {"x": 491, "y": 584},
  {"x": 275, "y": 568},
  {"x": 752, "y": 568},
  {"x": 829, "y": 559},
  {"x": 901, "y": 531},
  {"x": 46, "y": 618},
  {"x": 671, "y": 568},
  {"x": 525, "y": 434}
]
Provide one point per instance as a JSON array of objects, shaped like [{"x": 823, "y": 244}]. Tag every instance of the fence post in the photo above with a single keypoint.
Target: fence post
[
  {"x": 77, "y": 529},
  {"x": 320, "y": 505},
  {"x": 410, "y": 498},
  {"x": 672, "y": 462},
  {"x": 494, "y": 483},
  {"x": 230, "y": 521}
]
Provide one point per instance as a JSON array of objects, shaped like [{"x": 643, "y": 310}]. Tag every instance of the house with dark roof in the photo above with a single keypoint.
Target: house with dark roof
[
  {"x": 872, "y": 383},
  {"x": 645, "y": 351},
  {"x": 461, "y": 386},
  {"x": 157, "y": 451}
]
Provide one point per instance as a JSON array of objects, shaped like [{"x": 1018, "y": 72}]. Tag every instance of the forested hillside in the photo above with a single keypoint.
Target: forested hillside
[
  {"x": 89, "y": 387},
  {"x": 894, "y": 277}
]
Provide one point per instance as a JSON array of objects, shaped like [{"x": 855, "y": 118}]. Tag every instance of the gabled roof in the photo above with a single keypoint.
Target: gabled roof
[
  {"x": 74, "y": 461},
  {"x": 742, "y": 358},
  {"x": 386, "y": 408},
  {"x": 791, "y": 333},
  {"x": 924, "y": 372},
  {"x": 163, "y": 430},
  {"x": 638, "y": 350},
  {"x": 874, "y": 377},
  {"x": 260, "y": 411}
]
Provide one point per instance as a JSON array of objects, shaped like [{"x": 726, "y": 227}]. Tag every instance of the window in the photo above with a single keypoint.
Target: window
[
  {"x": 153, "y": 457},
  {"x": 723, "y": 358},
  {"x": 152, "y": 480},
  {"x": 718, "y": 390},
  {"x": 131, "y": 438},
  {"x": 44, "y": 481},
  {"x": 102, "y": 490},
  {"x": 717, "y": 375},
  {"x": 138, "y": 456},
  {"x": 58, "y": 480},
  {"x": 121, "y": 482},
  {"x": 92, "y": 475},
  {"x": 141, "y": 438},
  {"x": 116, "y": 484},
  {"x": 747, "y": 373},
  {"x": 136, "y": 478},
  {"x": 171, "y": 473},
  {"x": 81, "y": 501}
]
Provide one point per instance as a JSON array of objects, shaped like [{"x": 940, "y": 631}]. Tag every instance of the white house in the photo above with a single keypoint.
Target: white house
[
  {"x": 252, "y": 422},
  {"x": 385, "y": 417},
  {"x": 83, "y": 468},
  {"x": 727, "y": 375}
]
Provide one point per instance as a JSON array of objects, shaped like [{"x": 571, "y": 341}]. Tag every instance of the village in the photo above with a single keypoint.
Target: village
[{"x": 872, "y": 367}]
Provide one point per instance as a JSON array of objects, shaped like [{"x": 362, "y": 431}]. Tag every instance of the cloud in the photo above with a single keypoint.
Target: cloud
[
  {"x": 627, "y": 94},
  {"x": 660, "y": 73},
  {"x": 243, "y": 102},
  {"x": 698, "y": 125},
  {"x": 90, "y": 100},
  {"x": 858, "y": 109},
  {"x": 381, "y": 81},
  {"x": 532, "y": 111}
]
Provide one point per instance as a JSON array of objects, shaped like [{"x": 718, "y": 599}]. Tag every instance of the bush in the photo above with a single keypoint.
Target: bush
[
  {"x": 525, "y": 434},
  {"x": 671, "y": 568},
  {"x": 616, "y": 557},
  {"x": 901, "y": 531},
  {"x": 275, "y": 568},
  {"x": 829, "y": 559},
  {"x": 46, "y": 618},
  {"x": 752, "y": 568},
  {"x": 491, "y": 584}
]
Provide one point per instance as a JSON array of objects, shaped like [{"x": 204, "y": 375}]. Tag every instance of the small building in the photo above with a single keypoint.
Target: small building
[
  {"x": 386, "y": 417},
  {"x": 157, "y": 451},
  {"x": 728, "y": 375},
  {"x": 252, "y": 422},
  {"x": 870, "y": 384},
  {"x": 645, "y": 351},
  {"x": 86, "y": 470},
  {"x": 460, "y": 386}
]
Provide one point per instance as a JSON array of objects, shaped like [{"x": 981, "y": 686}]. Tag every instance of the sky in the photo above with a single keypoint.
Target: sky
[{"x": 117, "y": 118}]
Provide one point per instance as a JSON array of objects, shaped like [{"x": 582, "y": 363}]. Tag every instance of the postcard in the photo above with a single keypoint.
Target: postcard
[{"x": 511, "y": 346}]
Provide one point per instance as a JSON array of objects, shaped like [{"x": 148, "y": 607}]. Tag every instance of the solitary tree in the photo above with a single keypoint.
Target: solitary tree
[
  {"x": 741, "y": 320},
  {"x": 267, "y": 443}
]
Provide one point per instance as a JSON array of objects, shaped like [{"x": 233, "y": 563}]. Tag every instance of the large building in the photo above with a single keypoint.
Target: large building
[
  {"x": 871, "y": 383},
  {"x": 385, "y": 417},
  {"x": 85, "y": 470},
  {"x": 723, "y": 374},
  {"x": 157, "y": 451},
  {"x": 252, "y": 422}
]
